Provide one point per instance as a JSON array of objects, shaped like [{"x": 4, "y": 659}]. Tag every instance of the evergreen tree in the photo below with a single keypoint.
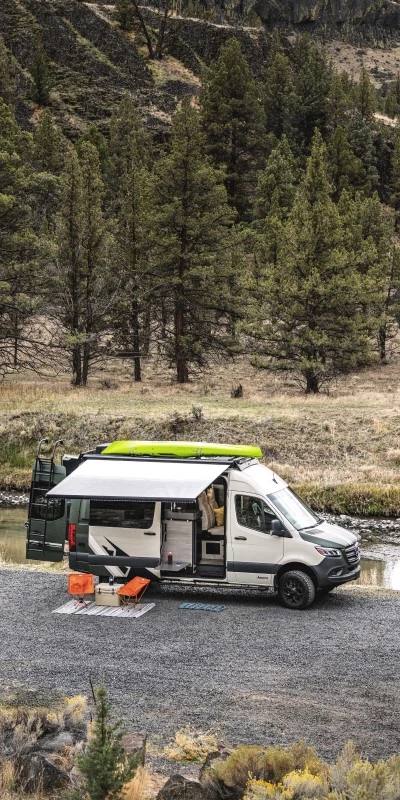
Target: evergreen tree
[
  {"x": 392, "y": 99},
  {"x": 308, "y": 307},
  {"x": 339, "y": 99},
  {"x": 95, "y": 137},
  {"x": 129, "y": 181},
  {"x": 124, "y": 14},
  {"x": 365, "y": 95},
  {"x": 277, "y": 183},
  {"x": 312, "y": 83},
  {"x": 234, "y": 123},
  {"x": 20, "y": 275},
  {"x": 126, "y": 131},
  {"x": 83, "y": 292},
  {"x": 395, "y": 182},
  {"x": 361, "y": 141},
  {"x": 369, "y": 241},
  {"x": 8, "y": 83},
  {"x": 48, "y": 144},
  {"x": 105, "y": 765},
  {"x": 40, "y": 74},
  {"x": 192, "y": 247},
  {"x": 279, "y": 97},
  {"x": 346, "y": 170}
]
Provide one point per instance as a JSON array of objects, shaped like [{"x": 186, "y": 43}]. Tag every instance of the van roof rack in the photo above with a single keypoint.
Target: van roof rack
[{"x": 240, "y": 462}]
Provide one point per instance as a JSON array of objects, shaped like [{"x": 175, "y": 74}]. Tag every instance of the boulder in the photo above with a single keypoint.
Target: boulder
[
  {"x": 179, "y": 788},
  {"x": 57, "y": 742},
  {"x": 35, "y": 773},
  {"x": 135, "y": 744}
]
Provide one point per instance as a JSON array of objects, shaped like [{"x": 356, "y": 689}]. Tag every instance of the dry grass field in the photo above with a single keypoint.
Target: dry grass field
[{"x": 335, "y": 446}]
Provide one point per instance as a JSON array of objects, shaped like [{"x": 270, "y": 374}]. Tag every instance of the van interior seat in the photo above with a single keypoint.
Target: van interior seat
[{"x": 207, "y": 513}]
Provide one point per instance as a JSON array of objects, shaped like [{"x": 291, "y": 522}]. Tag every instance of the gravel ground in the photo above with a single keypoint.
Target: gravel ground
[{"x": 254, "y": 672}]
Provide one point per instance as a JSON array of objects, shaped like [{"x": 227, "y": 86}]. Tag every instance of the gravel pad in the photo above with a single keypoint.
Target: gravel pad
[{"x": 256, "y": 673}]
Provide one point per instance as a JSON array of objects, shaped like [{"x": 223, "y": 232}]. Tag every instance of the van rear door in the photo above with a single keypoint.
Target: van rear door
[{"x": 47, "y": 516}]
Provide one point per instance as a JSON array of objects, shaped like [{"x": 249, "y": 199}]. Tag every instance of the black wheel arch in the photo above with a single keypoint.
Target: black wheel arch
[{"x": 299, "y": 566}]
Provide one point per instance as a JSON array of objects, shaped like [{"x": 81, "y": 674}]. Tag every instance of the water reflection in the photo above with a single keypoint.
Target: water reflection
[
  {"x": 12, "y": 534},
  {"x": 383, "y": 570},
  {"x": 380, "y": 573}
]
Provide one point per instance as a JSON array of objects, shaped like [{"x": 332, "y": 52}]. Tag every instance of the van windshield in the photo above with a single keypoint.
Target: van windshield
[{"x": 294, "y": 509}]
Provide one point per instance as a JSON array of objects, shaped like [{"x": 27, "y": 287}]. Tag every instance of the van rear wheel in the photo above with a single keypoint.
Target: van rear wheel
[{"x": 296, "y": 589}]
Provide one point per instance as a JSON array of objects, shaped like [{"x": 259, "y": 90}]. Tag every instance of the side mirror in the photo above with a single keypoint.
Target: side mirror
[{"x": 277, "y": 528}]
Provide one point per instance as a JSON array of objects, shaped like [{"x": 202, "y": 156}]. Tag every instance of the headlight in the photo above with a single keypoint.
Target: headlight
[{"x": 328, "y": 551}]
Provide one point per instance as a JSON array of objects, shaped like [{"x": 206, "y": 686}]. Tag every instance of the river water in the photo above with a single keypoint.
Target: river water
[{"x": 380, "y": 546}]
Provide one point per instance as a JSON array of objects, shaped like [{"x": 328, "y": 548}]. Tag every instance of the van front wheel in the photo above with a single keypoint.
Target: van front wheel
[{"x": 296, "y": 589}]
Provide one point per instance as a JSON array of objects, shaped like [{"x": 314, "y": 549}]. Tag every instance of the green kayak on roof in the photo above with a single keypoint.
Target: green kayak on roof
[{"x": 181, "y": 449}]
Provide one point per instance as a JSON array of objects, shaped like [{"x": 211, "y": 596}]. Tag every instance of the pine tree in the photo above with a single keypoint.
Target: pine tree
[
  {"x": 277, "y": 183},
  {"x": 346, "y": 170},
  {"x": 40, "y": 74},
  {"x": 369, "y": 241},
  {"x": 279, "y": 97},
  {"x": 126, "y": 131},
  {"x": 124, "y": 14},
  {"x": 20, "y": 275},
  {"x": 234, "y": 123},
  {"x": 312, "y": 84},
  {"x": 105, "y": 765},
  {"x": 48, "y": 144},
  {"x": 339, "y": 100},
  {"x": 193, "y": 243},
  {"x": 365, "y": 95},
  {"x": 83, "y": 294},
  {"x": 395, "y": 182},
  {"x": 48, "y": 158},
  {"x": 310, "y": 320},
  {"x": 129, "y": 180},
  {"x": 8, "y": 83},
  {"x": 361, "y": 141}
]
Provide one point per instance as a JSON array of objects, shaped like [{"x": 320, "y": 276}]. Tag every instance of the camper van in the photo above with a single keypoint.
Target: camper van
[{"x": 190, "y": 513}]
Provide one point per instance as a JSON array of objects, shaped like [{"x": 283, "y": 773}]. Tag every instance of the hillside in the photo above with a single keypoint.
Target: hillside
[{"x": 93, "y": 62}]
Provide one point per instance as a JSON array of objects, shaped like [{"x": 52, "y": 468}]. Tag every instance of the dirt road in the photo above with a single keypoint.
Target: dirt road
[{"x": 256, "y": 672}]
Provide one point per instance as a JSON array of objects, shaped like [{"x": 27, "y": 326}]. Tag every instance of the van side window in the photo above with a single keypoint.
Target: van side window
[
  {"x": 254, "y": 513},
  {"x": 121, "y": 515}
]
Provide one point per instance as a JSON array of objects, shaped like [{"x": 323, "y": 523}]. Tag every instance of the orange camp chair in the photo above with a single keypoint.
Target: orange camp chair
[
  {"x": 79, "y": 585},
  {"x": 133, "y": 590}
]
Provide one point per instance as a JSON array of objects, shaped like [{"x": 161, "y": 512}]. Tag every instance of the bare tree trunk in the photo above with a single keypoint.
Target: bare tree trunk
[
  {"x": 161, "y": 34},
  {"x": 77, "y": 365},
  {"x": 312, "y": 383},
  {"x": 144, "y": 28},
  {"x": 16, "y": 340},
  {"x": 182, "y": 372},
  {"x": 137, "y": 367}
]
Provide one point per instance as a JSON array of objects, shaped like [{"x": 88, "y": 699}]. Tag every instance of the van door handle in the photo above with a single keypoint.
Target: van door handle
[
  {"x": 243, "y": 538},
  {"x": 149, "y": 533}
]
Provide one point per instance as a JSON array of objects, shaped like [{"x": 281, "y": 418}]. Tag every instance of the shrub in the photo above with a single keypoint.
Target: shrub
[
  {"x": 266, "y": 764},
  {"x": 190, "y": 745}
]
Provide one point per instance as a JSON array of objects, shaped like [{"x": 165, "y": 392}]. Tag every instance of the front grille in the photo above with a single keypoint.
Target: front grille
[{"x": 352, "y": 555}]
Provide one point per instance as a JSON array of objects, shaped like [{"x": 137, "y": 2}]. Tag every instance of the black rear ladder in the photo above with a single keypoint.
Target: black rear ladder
[{"x": 42, "y": 482}]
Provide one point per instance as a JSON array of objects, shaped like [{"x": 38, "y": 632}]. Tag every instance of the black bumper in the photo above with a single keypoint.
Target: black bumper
[{"x": 327, "y": 573}]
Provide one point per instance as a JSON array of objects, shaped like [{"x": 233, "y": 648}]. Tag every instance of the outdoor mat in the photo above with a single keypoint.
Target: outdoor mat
[
  {"x": 202, "y": 606},
  {"x": 92, "y": 610}
]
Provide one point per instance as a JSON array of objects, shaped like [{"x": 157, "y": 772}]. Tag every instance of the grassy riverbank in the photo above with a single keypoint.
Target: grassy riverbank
[{"x": 341, "y": 450}]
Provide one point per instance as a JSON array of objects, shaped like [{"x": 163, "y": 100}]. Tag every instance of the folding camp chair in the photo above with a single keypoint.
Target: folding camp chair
[
  {"x": 79, "y": 585},
  {"x": 133, "y": 590}
]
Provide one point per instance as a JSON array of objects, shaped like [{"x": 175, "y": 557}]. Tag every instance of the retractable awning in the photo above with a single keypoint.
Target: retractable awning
[{"x": 110, "y": 479}]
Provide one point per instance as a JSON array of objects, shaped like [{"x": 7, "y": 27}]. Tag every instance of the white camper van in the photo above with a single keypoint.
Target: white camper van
[{"x": 189, "y": 513}]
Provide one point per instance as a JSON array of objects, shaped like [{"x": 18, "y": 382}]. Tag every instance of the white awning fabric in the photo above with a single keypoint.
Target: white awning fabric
[{"x": 109, "y": 479}]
